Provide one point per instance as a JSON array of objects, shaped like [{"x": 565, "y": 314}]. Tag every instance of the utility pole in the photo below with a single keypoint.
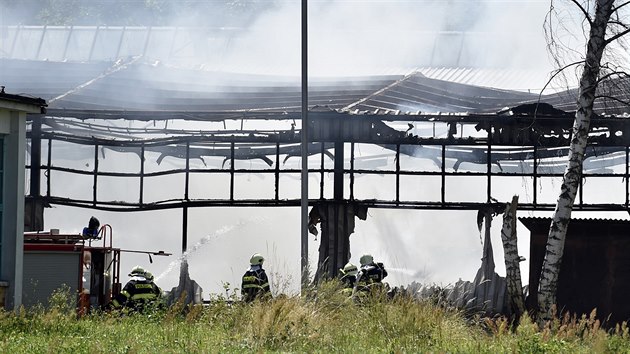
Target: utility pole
[{"x": 304, "y": 144}]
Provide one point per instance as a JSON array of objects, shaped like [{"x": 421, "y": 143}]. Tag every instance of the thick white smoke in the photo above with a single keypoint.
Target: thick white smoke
[{"x": 347, "y": 38}]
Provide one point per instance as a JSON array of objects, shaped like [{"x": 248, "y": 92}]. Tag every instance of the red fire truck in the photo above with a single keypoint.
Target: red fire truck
[{"x": 87, "y": 266}]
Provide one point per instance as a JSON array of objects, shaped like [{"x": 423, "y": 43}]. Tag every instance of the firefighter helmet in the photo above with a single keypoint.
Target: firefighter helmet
[
  {"x": 350, "y": 269},
  {"x": 137, "y": 270},
  {"x": 256, "y": 259},
  {"x": 94, "y": 224},
  {"x": 366, "y": 259}
]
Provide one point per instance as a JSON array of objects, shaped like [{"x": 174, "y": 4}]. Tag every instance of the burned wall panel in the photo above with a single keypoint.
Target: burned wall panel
[{"x": 595, "y": 270}]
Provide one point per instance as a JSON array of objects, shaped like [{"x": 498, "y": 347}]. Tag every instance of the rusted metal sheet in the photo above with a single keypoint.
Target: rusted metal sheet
[
  {"x": 489, "y": 289},
  {"x": 595, "y": 270},
  {"x": 337, "y": 224}
]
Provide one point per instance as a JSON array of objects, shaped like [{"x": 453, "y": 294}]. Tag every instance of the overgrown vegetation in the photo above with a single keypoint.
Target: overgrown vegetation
[{"x": 324, "y": 321}]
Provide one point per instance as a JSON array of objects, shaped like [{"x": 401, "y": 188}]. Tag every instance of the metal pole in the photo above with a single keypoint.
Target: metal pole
[
  {"x": 627, "y": 176},
  {"x": 232, "y": 171},
  {"x": 141, "y": 175},
  {"x": 304, "y": 142},
  {"x": 397, "y": 173},
  {"x": 186, "y": 199},
  {"x": 95, "y": 174},
  {"x": 48, "y": 163},
  {"x": 489, "y": 165},
  {"x": 277, "y": 174},
  {"x": 535, "y": 175},
  {"x": 338, "y": 174},
  {"x": 321, "y": 172},
  {"x": 352, "y": 171},
  {"x": 443, "y": 175}
]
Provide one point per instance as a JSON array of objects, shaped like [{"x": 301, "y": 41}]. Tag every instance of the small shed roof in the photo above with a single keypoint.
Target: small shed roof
[
  {"x": 22, "y": 103},
  {"x": 580, "y": 227}
]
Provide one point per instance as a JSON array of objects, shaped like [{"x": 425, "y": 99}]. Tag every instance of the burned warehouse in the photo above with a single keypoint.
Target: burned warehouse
[{"x": 203, "y": 137}]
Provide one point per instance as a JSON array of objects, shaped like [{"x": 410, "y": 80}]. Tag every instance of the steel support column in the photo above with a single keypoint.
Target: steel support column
[
  {"x": 304, "y": 143},
  {"x": 34, "y": 206}
]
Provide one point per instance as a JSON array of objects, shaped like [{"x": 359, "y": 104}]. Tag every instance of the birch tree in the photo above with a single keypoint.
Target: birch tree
[
  {"x": 604, "y": 23},
  {"x": 516, "y": 300}
]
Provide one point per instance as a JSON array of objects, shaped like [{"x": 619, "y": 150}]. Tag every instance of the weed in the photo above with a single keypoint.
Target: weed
[{"x": 324, "y": 320}]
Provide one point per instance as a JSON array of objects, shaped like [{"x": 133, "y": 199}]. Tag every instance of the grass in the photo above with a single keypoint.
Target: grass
[{"x": 324, "y": 321}]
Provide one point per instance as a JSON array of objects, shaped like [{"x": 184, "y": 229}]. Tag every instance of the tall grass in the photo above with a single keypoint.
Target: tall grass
[{"x": 320, "y": 321}]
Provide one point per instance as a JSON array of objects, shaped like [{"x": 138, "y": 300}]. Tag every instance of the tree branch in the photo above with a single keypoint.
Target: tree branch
[
  {"x": 620, "y": 6},
  {"x": 556, "y": 74},
  {"x": 619, "y": 73},
  {"x": 612, "y": 98},
  {"x": 619, "y": 23},
  {"x": 617, "y": 36},
  {"x": 586, "y": 14},
  {"x": 548, "y": 82}
]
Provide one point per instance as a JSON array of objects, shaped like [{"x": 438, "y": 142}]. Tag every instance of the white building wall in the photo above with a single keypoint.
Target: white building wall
[
  {"x": 12, "y": 243},
  {"x": 13, "y": 110}
]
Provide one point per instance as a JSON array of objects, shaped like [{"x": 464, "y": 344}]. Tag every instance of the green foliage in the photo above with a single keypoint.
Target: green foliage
[
  {"x": 63, "y": 301},
  {"x": 323, "y": 320}
]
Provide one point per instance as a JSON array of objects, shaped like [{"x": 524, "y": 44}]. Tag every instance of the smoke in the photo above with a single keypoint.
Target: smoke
[{"x": 346, "y": 39}]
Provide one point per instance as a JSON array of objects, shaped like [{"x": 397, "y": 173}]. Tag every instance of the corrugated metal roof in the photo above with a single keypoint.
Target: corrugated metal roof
[
  {"x": 185, "y": 68},
  {"x": 416, "y": 92},
  {"x": 540, "y": 218},
  {"x": 22, "y": 99},
  {"x": 509, "y": 79},
  {"x": 577, "y": 225},
  {"x": 134, "y": 85},
  {"x": 450, "y": 58}
]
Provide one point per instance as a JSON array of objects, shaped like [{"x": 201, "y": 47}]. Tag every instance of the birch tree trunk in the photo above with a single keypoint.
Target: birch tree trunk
[
  {"x": 516, "y": 301},
  {"x": 548, "y": 284}
]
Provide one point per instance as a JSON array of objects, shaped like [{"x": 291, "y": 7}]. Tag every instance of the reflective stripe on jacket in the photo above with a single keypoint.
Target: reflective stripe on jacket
[
  {"x": 255, "y": 283},
  {"x": 137, "y": 293}
]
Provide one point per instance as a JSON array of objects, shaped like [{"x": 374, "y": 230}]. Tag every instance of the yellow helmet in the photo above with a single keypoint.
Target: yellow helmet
[
  {"x": 137, "y": 270},
  {"x": 256, "y": 259},
  {"x": 366, "y": 259},
  {"x": 350, "y": 269}
]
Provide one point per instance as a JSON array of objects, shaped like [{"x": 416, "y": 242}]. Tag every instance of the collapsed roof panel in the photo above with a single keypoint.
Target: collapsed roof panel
[
  {"x": 417, "y": 92},
  {"x": 134, "y": 84}
]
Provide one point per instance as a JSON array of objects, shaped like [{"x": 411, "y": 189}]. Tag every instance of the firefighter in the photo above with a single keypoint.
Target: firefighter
[
  {"x": 86, "y": 279},
  {"x": 91, "y": 231},
  {"x": 370, "y": 275},
  {"x": 255, "y": 282},
  {"x": 140, "y": 292},
  {"x": 348, "y": 277}
]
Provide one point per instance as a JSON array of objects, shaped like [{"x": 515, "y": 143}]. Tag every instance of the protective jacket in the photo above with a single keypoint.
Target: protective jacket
[
  {"x": 138, "y": 293},
  {"x": 369, "y": 275},
  {"x": 348, "y": 280},
  {"x": 255, "y": 284}
]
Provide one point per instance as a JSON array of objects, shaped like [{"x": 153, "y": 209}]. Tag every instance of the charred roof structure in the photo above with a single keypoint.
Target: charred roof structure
[
  {"x": 427, "y": 126},
  {"x": 479, "y": 132}
]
